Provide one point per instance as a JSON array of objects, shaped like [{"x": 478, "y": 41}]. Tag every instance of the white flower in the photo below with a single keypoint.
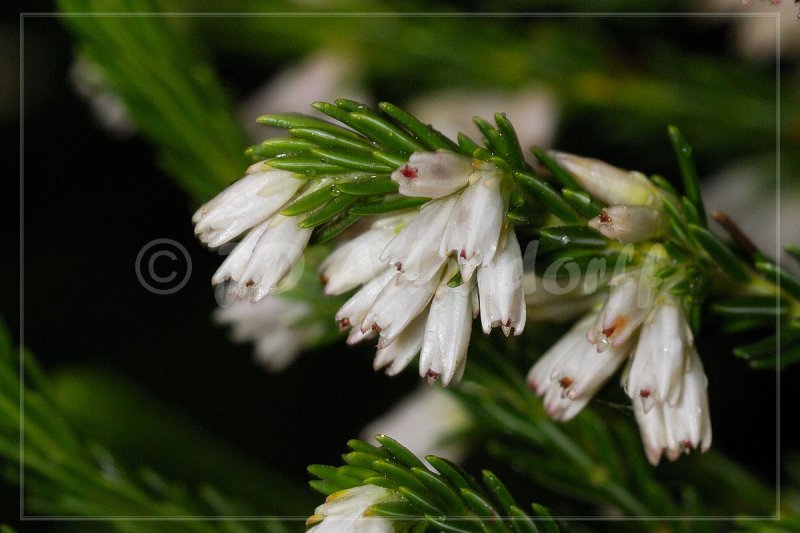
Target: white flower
[
  {"x": 396, "y": 356},
  {"x": 624, "y": 310},
  {"x": 271, "y": 325},
  {"x": 355, "y": 309},
  {"x": 415, "y": 250},
  {"x": 502, "y": 293},
  {"x": 473, "y": 230},
  {"x": 244, "y": 204},
  {"x": 433, "y": 174},
  {"x": 572, "y": 371},
  {"x": 661, "y": 356},
  {"x": 680, "y": 428},
  {"x": 609, "y": 184},
  {"x": 447, "y": 332},
  {"x": 629, "y": 223},
  {"x": 396, "y": 306},
  {"x": 345, "y": 511},
  {"x": 277, "y": 250},
  {"x": 423, "y": 421},
  {"x": 357, "y": 261}
]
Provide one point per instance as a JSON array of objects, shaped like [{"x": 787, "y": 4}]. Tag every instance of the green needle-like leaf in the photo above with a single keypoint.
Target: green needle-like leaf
[
  {"x": 559, "y": 173},
  {"x": 467, "y": 145},
  {"x": 385, "y": 204},
  {"x": 327, "y": 212},
  {"x": 367, "y": 186},
  {"x": 564, "y": 236},
  {"x": 751, "y": 305},
  {"x": 691, "y": 185},
  {"x": 720, "y": 253},
  {"x": 548, "y": 197},
  {"x": 582, "y": 202},
  {"x": 399, "y": 452},
  {"x": 334, "y": 228},
  {"x": 515, "y": 157},
  {"x": 355, "y": 160},
  {"x": 328, "y": 139},
  {"x": 432, "y": 139},
  {"x": 290, "y": 121},
  {"x": 788, "y": 281},
  {"x": 309, "y": 201},
  {"x": 496, "y": 142}
]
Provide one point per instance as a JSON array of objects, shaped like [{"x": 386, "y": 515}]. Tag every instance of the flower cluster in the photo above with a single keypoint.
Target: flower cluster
[
  {"x": 427, "y": 275},
  {"x": 639, "y": 322},
  {"x": 424, "y": 275}
]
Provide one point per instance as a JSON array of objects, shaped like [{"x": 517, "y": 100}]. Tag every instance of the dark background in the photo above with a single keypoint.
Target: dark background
[{"x": 91, "y": 202}]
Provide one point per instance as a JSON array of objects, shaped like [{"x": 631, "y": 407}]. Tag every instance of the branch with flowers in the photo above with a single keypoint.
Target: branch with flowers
[
  {"x": 412, "y": 235},
  {"x": 437, "y": 229}
]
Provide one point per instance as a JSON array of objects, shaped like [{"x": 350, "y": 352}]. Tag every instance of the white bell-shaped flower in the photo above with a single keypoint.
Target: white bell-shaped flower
[
  {"x": 433, "y": 174},
  {"x": 501, "y": 288}
]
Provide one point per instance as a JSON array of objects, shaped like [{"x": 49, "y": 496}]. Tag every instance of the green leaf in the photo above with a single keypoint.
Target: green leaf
[
  {"x": 548, "y": 197},
  {"x": 664, "y": 185},
  {"x": 355, "y": 160},
  {"x": 291, "y": 121},
  {"x": 453, "y": 473},
  {"x": 467, "y": 145},
  {"x": 277, "y": 146},
  {"x": 751, "y": 305},
  {"x": 559, "y": 237},
  {"x": 361, "y": 459},
  {"x": 367, "y": 448},
  {"x": 720, "y": 253},
  {"x": 333, "y": 476},
  {"x": 385, "y": 133},
  {"x": 764, "y": 352},
  {"x": 420, "y": 502},
  {"x": 339, "y": 204},
  {"x": 453, "y": 526},
  {"x": 559, "y": 173},
  {"x": 328, "y": 231},
  {"x": 398, "y": 473},
  {"x": 787, "y": 281},
  {"x": 395, "y": 510},
  {"x": 547, "y": 524},
  {"x": 480, "y": 506},
  {"x": 582, "y": 202},
  {"x": 335, "y": 140},
  {"x": 438, "y": 486},
  {"x": 325, "y": 487},
  {"x": 367, "y": 186},
  {"x": 308, "y": 165},
  {"x": 386, "y": 204},
  {"x": 309, "y": 201},
  {"x": 495, "y": 141},
  {"x": 520, "y": 521},
  {"x": 432, "y": 139},
  {"x": 509, "y": 135},
  {"x": 399, "y": 452},
  {"x": 498, "y": 490},
  {"x": 390, "y": 158},
  {"x": 691, "y": 185}
]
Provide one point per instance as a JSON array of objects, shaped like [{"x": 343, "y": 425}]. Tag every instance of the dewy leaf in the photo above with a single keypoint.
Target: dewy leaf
[
  {"x": 431, "y": 138},
  {"x": 467, "y": 145},
  {"x": 290, "y": 121},
  {"x": 278, "y": 146},
  {"x": 548, "y": 197},
  {"x": 328, "y": 211},
  {"x": 386, "y": 133},
  {"x": 329, "y": 139},
  {"x": 309, "y": 202},
  {"x": 582, "y": 202},
  {"x": 563, "y": 236},
  {"x": 399, "y": 452},
  {"x": 367, "y": 186},
  {"x": 497, "y": 143},
  {"x": 355, "y": 160},
  {"x": 306, "y": 164},
  {"x": 509, "y": 135},
  {"x": 691, "y": 185}
]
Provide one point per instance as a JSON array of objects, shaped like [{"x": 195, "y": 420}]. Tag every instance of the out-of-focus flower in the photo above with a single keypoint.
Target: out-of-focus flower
[
  {"x": 533, "y": 110},
  {"x": 346, "y": 511},
  {"x": 322, "y": 76},
  {"x": 106, "y": 105},
  {"x": 423, "y": 421},
  {"x": 756, "y": 36},
  {"x": 273, "y": 326}
]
